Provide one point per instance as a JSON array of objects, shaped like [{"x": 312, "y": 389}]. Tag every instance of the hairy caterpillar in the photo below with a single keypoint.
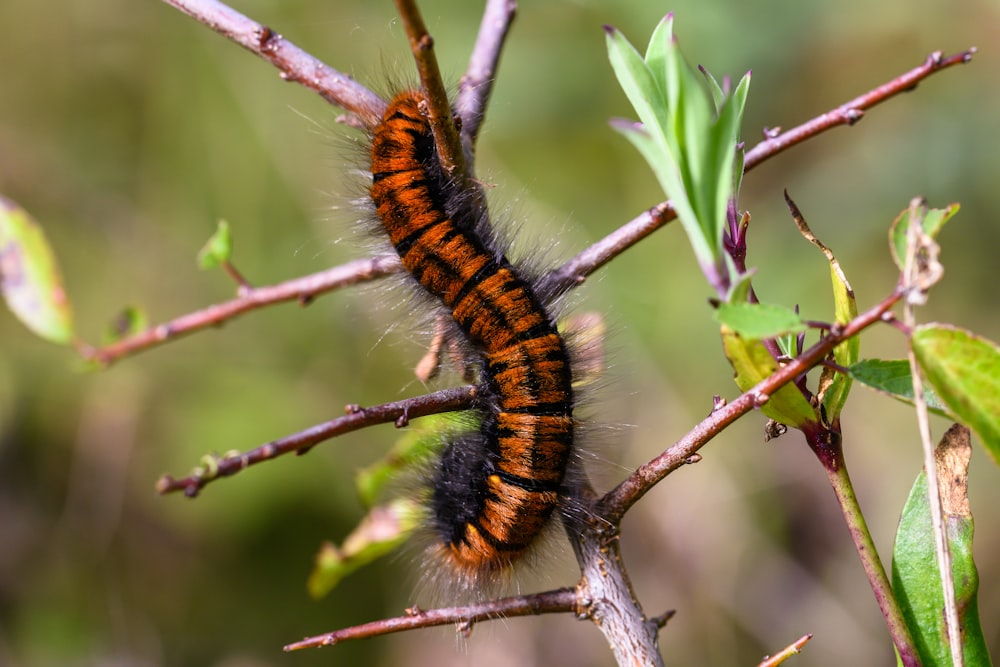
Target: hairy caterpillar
[{"x": 494, "y": 490}]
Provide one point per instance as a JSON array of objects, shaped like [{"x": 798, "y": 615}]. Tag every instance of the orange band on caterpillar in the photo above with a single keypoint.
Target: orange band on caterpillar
[{"x": 493, "y": 491}]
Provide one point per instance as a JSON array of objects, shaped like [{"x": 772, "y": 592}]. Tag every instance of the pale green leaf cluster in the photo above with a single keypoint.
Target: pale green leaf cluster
[{"x": 688, "y": 133}]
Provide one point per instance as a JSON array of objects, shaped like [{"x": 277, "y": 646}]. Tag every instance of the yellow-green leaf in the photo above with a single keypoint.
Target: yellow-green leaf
[
  {"x": 380, "y": 532},
  {"x": 29, "y": 276},
  {"x": 422, "y": 439},
  {"x": 753, "y": 363},
  {"x": 833, "y": 385}
]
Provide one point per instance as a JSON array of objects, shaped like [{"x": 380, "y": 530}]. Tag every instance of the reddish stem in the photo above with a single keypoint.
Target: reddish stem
[
  {"x": 557, "y": 601},
  {"x": 303, "y": 290},
  {"x": 446, "y": 400}
]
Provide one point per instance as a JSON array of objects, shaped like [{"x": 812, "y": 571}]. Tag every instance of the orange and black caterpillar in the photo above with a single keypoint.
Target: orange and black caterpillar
[{"x": 493, "y": 491}]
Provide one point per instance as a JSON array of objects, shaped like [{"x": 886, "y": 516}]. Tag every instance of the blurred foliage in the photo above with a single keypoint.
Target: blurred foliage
[
  {"x": 128, "y": 130},
  {"x": 29, "y": 277}
]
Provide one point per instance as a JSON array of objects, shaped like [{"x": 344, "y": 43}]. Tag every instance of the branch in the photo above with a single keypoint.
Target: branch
[
  {"x": 851, "y": 112},
  {"x": 575, "y": 271},
  {"x": 607, "y": 600},
  {"x": 611, "y": 602},
  {"x": 784, "y": 654},
  {"x": 570, "y": 274},
  {"x": 476, "y": 85},
  {"x": 446, "y": 139},
  {"x": 617, "y": 501},
  {"x": 557, "y": 601},
  {"x": 303, "y": 290},
  {"x": 400, "y": 412},
  {"x": 295, "y": 64},
  {"x": 604, "y": 594}
]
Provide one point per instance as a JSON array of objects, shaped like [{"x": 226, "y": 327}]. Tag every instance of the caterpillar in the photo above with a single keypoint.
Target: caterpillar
[{"x": 493, "y": 491}]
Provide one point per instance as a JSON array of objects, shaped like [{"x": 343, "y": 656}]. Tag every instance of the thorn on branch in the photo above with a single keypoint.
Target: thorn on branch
[
  {"x": 264, "y": 40},
  {"x": 659, "y": 622},
  {"x": 464, "y": 628}
]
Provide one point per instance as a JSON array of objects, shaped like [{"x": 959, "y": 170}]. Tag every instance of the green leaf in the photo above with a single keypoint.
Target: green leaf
[
  {"x": 636, "y": 80},
  {"x": 688, "y": 135},
  {"x": 218, "y": 249},
  {"x": 893, "y": 378},
  {"x": 130, "y": 321},
  {"x": 964, "y": 369},
  {"x": 722, "y": 157},
  {"x": 753, "y": 363},
  {"x": 916, "y": 581},
  {"x": 654, "y": 99},
  {"x": 787, "y": 345},
  {"x": 845, "y": 309},
  {"x": 718, "y": 94},
  {"x": 382, "y": 531},
  {"x": 757, "y": 321},
  {"x": 29, "y": 276},
  {"x": 932, "y": 220},
  {"x": 739, "y": 289}
]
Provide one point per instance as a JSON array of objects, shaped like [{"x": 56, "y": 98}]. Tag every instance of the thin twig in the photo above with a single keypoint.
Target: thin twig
[
  {"x": 851, "y": 112},
  {"x": 784, "y": 654},
  {"x": 242, "y": 284},
  {"x": 557, "y": 601},
  {"x": 302, "y": 289},
  {"x": 573, "y": 272},
  {"x": 446, "y": 139},
  {"x": 918, "y": 277},
  {"x": 295, "y": 64},
  {"x": 617, "y": 501},
  {"x": 400, "y": 412},
  {"x": 476, "y": 85}
]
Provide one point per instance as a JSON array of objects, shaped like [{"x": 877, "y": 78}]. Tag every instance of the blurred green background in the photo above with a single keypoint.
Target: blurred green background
[{"x": 128, "y": 129}]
